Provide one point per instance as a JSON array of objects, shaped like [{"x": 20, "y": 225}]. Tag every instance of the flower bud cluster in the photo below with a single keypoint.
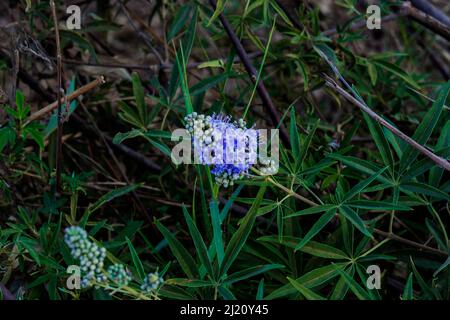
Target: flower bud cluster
[
  {"x": 152, "y": 282},
  {"x": 90, "y": 256}
]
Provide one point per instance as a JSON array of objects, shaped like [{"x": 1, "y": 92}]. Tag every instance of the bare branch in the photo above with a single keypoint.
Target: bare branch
[
  {"x": 80, "y": 91},
  {"x": 441, "y": 162}
]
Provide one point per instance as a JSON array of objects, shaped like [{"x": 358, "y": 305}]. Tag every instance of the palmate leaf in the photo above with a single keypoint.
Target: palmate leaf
[
  {"x": 319, "y": 225},
  {"x": 363, "y": 166},
  {"x": 426, "y": 127},
  {"x": 341, "y": 288},
  {"x": 358, "y": 188},
  {"x": 359, "y": 292},
  {"x": 184, "y": 258},
  {"x": 309, "y": 280},
  {"x": 354, "y": 218},
  {"x": 314, "y": 248}
]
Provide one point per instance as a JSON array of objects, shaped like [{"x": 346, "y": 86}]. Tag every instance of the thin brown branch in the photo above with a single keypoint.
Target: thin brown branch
[
  {"x": 58, "y": 98},
  {"x": 428, "y": 8},
  {"x": 427, "y": 20},
  {"x": 423, "y": 247},
  {"x": 441, "y": 162},
  {"x": 80, "y": 91}
]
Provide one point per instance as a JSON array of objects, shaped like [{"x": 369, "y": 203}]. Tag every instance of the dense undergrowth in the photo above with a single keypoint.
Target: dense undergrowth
[{"x": 349, "y": 193}]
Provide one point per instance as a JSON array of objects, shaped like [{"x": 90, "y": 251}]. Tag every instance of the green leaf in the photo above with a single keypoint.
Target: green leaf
[
  {"x": 136, "y": 261},
  {"x": 436, "y": 172},
  {"x": 229, "y": 203},
  {"x": 184, "y": 83},
  {"x": 160, "y": 146},
  {"x": 179, "y": 21},
  {"x": 354, "y": 218},
  {"x": 311, "y": 279},
  {"x": 200, "y": 246},
  {"x": 312, "y": 210},
  {"x": 31, "y": 246},
  {"x": 360, "y": 293},
  {"x": 424, "y": 189},
  {"x": 376, "y": 131},
  {"x": 186, "y": 261},
  {"x": 358, "y": 188},
  {"x": 36, "y": 135},
  {"x": 217, "y": 230},
  {"x": 138, "y": 92},
  {"x": 392, "y": 68},
  {"x": 295, "y": 139},
  {"x": 319, "y": 225},
  {"x": 361, "y": 165},
  {"x": 314, "y": 248},
  {"x": 307, "y": 293},
  {"x": 7, "y": 136},
  {"x": 429, "y": 291},
  {"x": 122, "y": 136},
  {"x": 260, "y": 292},
  {"x": 190, "y": 283},
  {"x": 372, "y": 70},
  {"x": 408, "y": 289},
  {"x": 377, "y": 205},
  {"x": 226, "y": 293},
  {"x": 240, "y": 236},
  {"x": 305, "y": 146},
  {"x": 281, "y": 12},
  {"x": 208, "y": 83},
  {"x": 53, "y": 121},
  {"x": 250, "y": 272},
  {"x": 425, "y": 128},
  {"x": 220, "y": 6},
  {"x": 445, "y": 265},
  {"x": 107, "y": 198}
]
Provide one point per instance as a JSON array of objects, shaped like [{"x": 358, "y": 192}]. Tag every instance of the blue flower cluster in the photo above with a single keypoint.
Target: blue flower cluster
[
  {"x": 215, "y": 141},
  {"x": 152, "y": 282},
  {"x": 90, "y": 255},
  {"x": 119, "y": 274}
]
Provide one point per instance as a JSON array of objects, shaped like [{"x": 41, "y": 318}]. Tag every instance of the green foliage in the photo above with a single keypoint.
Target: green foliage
[{"x": 349, "y": 193}]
